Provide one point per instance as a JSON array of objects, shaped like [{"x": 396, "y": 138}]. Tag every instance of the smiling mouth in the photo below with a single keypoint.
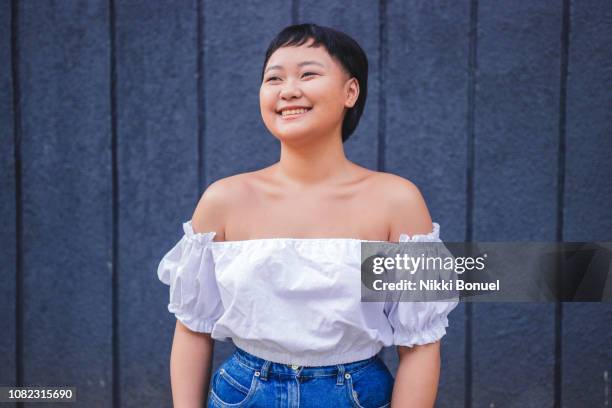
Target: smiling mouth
[{"x": 294, "y": 115}]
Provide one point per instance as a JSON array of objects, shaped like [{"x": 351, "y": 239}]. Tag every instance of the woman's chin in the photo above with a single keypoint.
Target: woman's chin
[{"x": 291, "y": 133}]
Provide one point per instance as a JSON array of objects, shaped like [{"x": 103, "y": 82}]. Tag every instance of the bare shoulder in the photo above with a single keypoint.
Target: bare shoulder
[
  {"x": 404, "y": 204},
  {"x": 396, "y": 187},
  {"x": 216, "y": 202},
  {"x": 390, "y": 190}
]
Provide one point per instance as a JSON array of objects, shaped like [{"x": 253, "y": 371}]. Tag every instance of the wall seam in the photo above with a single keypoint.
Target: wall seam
[
  {"x": 382, "y": 101},
  {"x": 295, "y": 12},
  {"x": 470, "y": 168},
  {"x": 200, "y": 104},
  {"x": 116, "y": 363},
  {"x": 17, "y": 133},
  {"x": 564, "y": 62}
]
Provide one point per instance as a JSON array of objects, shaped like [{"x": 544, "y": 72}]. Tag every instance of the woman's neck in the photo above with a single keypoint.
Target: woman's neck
[{"x": 313, "y": 162}]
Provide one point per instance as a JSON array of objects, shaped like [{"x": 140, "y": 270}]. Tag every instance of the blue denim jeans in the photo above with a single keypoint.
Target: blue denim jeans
[{"x": 244, "y": 380}]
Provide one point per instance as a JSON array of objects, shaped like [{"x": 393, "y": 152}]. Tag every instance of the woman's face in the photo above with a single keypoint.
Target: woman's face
[{"x": 308, "y": 78}]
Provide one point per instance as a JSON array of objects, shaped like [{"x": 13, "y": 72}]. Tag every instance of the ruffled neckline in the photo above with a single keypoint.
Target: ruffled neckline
[
  {"x": 435, "y": 234},
  {"x": 206, "y": 237}
]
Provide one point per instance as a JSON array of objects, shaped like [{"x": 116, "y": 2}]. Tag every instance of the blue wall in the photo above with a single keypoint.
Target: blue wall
[{"x": 116, "y": 115}]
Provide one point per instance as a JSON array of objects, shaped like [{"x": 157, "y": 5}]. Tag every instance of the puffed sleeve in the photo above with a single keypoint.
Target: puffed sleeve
[
  {"x": 420, "y": 322},
  {"x": 188, "y": 268}
]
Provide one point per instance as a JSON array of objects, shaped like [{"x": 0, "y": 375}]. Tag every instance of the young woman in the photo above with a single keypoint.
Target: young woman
[{"x": 271, "y": 258}]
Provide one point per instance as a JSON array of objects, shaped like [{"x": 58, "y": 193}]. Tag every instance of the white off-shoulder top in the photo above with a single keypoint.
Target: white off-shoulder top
[{"x": 292, "y": 300}]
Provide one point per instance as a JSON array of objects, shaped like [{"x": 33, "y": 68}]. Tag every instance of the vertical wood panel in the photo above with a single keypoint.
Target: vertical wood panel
[
  {"x": 588, "y": 198},
  {"x": 8, "y": 210},
  {"x": 157, "y": 133},
  {"x": 587, "y": 334},
  {"x": 426, "y": 90},
  {"x": 361, "y": 23},
  {"x": 64, "y": 77},
  {"x": 236, "y": 39},
  {"x": 426, "y": 121},
  {"x": 516, "y": 133}
]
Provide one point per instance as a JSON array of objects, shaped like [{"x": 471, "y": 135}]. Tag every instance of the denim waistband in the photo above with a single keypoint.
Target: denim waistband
[{"x": 266, "y": 366}]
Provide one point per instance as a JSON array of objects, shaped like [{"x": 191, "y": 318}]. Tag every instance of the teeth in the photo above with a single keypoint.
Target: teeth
[{"x": 293, "y": 111}]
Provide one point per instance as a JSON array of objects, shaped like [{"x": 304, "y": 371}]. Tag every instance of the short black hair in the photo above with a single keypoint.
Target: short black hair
[{"x": 340, "y": 46}]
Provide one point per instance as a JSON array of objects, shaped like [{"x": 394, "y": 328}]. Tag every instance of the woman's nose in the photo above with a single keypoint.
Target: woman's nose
[{"x": 289, "y": 90}]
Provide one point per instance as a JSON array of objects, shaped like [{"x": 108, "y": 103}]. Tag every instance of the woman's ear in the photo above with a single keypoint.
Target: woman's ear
[{"x": 352, "y": 92}]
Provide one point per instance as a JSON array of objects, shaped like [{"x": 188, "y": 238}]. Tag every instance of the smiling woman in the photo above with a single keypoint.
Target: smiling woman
[
  {"x": 318, "y": 69},
  {"x": 271, "y": 258}
]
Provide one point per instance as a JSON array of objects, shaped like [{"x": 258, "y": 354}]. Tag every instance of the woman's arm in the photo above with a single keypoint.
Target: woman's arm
[
  {"x": 418, "y": 373},
  {"x": 190, "y": 366},
  {"x": 192, "y": 352},
  {"x": 416, "y": 381}
]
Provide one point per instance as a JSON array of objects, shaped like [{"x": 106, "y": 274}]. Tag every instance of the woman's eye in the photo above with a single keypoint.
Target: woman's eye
[{"x": 305, "y": 73}]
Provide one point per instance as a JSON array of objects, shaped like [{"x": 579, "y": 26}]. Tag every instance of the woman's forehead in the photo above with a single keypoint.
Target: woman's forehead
[{"x": 290, "y": 56}]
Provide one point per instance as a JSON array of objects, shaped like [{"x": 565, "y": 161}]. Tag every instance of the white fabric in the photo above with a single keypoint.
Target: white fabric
[{"x": 292, "y": 300}]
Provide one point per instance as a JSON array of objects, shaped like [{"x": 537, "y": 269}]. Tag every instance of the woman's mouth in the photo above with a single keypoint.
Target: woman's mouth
[{"x": 292, "y": 114}]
